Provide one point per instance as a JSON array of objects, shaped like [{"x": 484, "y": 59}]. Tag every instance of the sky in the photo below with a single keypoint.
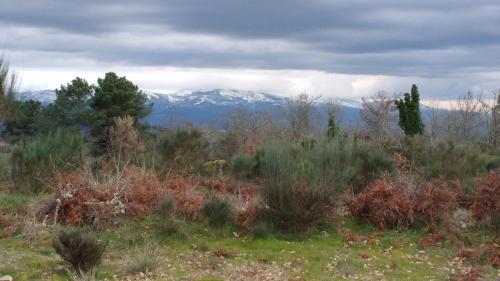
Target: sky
[{"x": 328, "y": 48}]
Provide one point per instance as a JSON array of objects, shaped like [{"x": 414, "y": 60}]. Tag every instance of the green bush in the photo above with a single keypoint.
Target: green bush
[
  {"x": 144, "y": 260},
  {"x": 218, "y": 212},
  {"x": 183, "y": 148},
  {"x": 261, "y": 230},
  {"x": 81, "y": 250},
  {"x": 35, "y": 161},
  {"x": 168, "y": 222},
  {"x": 446, "y": 159},
  {"x": 335, "y": 164},
  {"x": 296, "y": 206},
  {"x": 303, "y": 182},
  {"x": 243, "y": 167},
  {"x": 493, "y": 164}
]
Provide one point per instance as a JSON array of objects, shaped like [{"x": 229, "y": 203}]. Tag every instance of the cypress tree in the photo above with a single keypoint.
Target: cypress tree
[{"x": 409, "y": 113}]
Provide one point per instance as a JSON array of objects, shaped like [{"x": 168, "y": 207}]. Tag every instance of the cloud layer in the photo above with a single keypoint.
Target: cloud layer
[{"x": 450, "y": 45}]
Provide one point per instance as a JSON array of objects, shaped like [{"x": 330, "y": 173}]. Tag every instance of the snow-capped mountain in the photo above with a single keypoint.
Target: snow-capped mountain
[
  {"x": 45, "y": 96},
  {"x": 204, "y": 106},
  {"x": 199, "y": 107},
  {"x": 215, "y": 97}
]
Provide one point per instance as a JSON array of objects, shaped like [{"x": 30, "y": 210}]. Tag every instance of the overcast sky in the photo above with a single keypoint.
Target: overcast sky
[{"x": 349, "y": 48}]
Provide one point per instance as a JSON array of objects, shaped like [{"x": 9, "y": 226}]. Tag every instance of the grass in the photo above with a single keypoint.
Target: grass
[
  {"x": 15, "y": 203},
  {"x": 321, "y": 256}
]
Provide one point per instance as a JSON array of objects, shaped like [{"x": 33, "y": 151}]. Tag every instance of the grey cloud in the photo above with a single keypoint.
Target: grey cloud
[{"x": 389, "y": 37}]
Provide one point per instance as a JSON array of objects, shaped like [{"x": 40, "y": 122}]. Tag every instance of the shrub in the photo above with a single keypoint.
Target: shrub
[
  {"x": 486, "y": 204},
  {"x": 296, "y": 206},
  {"x": 245, "y": 218},
  {"x": 243, "y": 167},
  {"x": 261, "y": 230},
  {"x": 218, "y": 212},
  {"x": 166, "y": 213},
  {"x": 183, "y": 148},
  {"x": 388, "y": 204},
  {"x": 335, "y": 164},
  {"x": 435, "y": 204},
  {"x": 301, "y": 184},
  {"x": 55, "y": 152},
  {"x": 383, "y": 205},
  {"x": 145, "y": 260},
  {"x": 493, "y": 164},
  {"x": 446, "y": 159},
  {"x": 81, "y": 250},
  {"x": 126, "y": 146},
  {"x": 87, "y": 200}
]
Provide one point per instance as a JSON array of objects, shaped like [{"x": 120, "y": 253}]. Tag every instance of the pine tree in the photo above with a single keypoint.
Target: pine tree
[
  {"x": 71, "y": 105},
  {"x": 409, "y": 113},
  {"x": 114, "y": 97}
]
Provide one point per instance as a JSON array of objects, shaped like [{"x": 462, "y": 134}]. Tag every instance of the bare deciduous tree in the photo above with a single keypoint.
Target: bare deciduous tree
[
  {"x": 300, "y": 113},
  {"x": 378, "y": 116},
  {"x": 493, "y": 108},
  {"x": 467, "y": 121},
  {"x": 245, "y": 130}
]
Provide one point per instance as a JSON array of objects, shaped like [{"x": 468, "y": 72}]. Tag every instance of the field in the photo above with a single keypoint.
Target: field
[{"x": 350, "y": 250}]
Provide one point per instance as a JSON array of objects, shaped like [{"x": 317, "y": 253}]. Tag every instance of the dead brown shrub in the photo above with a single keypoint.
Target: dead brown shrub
[
  {"x": 390, "y": 204},
  {"x": 469, "y": 274},
  {"x": 432, "y": 239},
  {"x": 126, "y": 146},
  {"x": 383, "y": 204},
  {"x": 224, "y": 253},
  {"x": 488, "y": 253},
  {"x": 84, "y": 200},
  {"x": 3, "y": 221},
  {"x": 246, "y": 218},
  {"x": 486, "y": 204}
]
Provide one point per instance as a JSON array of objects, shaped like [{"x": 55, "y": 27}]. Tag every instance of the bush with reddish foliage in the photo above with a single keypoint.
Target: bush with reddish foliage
[
  {"x": 188, "y": 200},
  {"x": 82, "y": 199},
  {"x": 246, "y": 218},
  {"x": 468, "y": 274},
  {"x": 3, "y": 221},
  {"x": 486, "y": 205},
  {"x": 384, "y": 204},
  {"x": 435, "y": 203},
  {"x": 488, "y": 253},
  {"x": 388, "y": 204}
]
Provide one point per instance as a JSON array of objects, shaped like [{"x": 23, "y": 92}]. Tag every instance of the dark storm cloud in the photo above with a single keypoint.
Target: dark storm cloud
[{"x": 393, "y": 37}]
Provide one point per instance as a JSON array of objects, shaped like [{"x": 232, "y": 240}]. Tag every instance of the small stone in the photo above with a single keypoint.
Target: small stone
[{"x": 6, "y": 278}]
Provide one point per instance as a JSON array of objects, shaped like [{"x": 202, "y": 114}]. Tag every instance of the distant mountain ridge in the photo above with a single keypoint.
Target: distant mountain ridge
[{"x": 203, "y": 106}]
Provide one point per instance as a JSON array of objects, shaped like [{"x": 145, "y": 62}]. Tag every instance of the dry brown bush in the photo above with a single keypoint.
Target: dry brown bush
[
  {"x": 486, "y": 203},
  {"x": 468, "y": 274},
  {"x": 3, "y": 221},
  {"x": 83, "y": 199},
  {"x": 389, "y": 204},
  {"x": 126, "y": 145},
  {"x": 384, "y": 204}
]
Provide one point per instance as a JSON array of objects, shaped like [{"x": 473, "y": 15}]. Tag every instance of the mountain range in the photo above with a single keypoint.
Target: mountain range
[{"x": 206, "y": 107}]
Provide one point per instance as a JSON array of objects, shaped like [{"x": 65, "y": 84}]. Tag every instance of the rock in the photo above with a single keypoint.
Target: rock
[{"x": 6, "y": 278}]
